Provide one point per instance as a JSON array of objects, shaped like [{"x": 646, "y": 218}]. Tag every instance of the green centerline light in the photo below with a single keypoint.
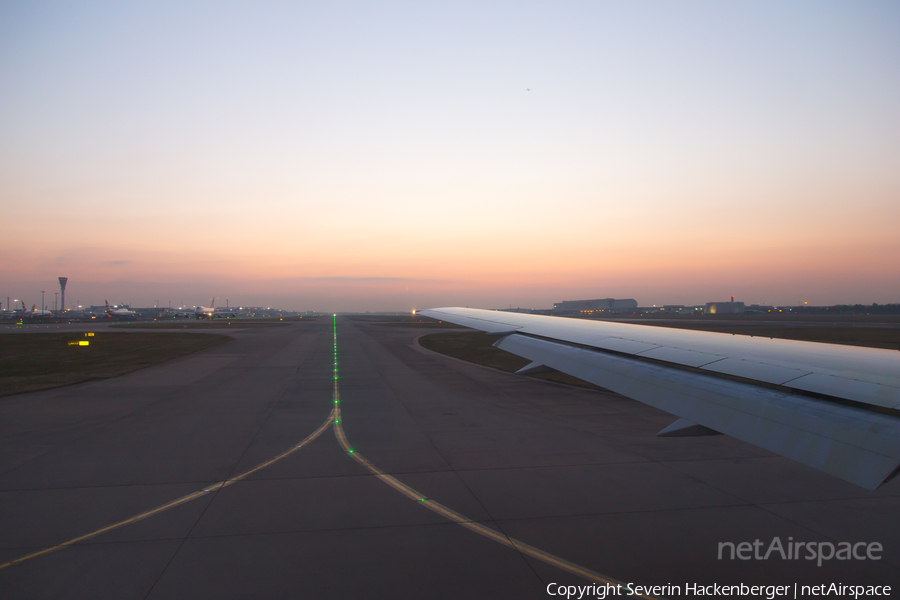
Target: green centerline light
[{"x": 454, "y": 517}]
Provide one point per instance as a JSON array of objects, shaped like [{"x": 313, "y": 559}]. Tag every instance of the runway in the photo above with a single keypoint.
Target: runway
[{"x": 576, "y": 474}]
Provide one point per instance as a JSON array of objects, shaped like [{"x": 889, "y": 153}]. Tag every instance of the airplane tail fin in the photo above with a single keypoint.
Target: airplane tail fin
[
  {"x": 32, "y": 307},
  {"x": 107, "y": 304},
  {"x": 212, "y": 303}
]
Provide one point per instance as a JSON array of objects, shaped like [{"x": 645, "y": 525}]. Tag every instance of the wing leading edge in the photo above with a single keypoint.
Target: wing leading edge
[{"x": 833, "y": 408}]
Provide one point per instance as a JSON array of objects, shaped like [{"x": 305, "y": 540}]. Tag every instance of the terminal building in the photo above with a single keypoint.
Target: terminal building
[
  {"x": 593, "y": 306},
  {"x": 724, "y": 308}
]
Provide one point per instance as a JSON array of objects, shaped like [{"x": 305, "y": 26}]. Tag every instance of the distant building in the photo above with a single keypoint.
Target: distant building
[
  {"x": 677, "y": 309},
  {"x": 724, "y": 308},
  {"x": 592, "y": 306},
  {"x": 759, "y": 308}
]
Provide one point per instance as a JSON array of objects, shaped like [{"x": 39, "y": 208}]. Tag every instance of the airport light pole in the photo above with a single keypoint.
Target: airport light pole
[
  {"x": 42, "y": 300},
  {"x": 55, "y": 301}
]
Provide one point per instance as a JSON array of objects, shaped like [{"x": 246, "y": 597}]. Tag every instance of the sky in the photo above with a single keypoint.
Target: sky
[{"x": 352, "y": 156}]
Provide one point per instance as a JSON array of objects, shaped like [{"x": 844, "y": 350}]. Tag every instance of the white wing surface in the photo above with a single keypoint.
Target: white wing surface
[{"x": 835, "y": 408}]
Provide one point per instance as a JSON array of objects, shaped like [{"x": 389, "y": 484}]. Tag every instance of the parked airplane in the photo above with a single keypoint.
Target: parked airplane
[
  {"x": 201, "y": 312},
  {"x": 19, "y": 314},
  {"x": 34, "y": 313},
  {"x": 118, "y": 312},
  {"x": 834, "y": 408},
  {"x": 206, "y": 311},
  {"x": 184, "y": 311},
  {"x": 39, "y": 313}
]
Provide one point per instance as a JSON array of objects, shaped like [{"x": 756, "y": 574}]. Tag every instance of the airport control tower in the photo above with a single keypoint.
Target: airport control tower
[{"x": 62, "y": 295}]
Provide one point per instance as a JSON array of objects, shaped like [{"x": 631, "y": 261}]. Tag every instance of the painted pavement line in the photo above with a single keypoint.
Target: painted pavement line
[
  {"x": 454, "y": 516},
  {"x": 178, "y": 501}
]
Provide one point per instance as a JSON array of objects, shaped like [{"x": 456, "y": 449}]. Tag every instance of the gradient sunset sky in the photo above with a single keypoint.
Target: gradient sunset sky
[{"x": 395, "y": 155}]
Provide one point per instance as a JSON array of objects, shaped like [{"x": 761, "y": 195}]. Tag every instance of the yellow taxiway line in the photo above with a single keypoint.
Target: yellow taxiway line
[
  {"x": 179, "y": 501},
  {"x": 334, "y": 419},
  {"x": 452, "y": 515}
]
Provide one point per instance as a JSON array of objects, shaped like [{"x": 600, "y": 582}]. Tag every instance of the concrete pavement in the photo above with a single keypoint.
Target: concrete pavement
[{"x": 576, "y": 473}]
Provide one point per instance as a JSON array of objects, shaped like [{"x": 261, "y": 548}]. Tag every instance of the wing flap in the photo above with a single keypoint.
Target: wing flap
[
  {"x": 617, "y": 344},
  {"x": 852, "y": 389},
  {"x": 757, "y": 371},
  {"x": 859, "y": 446},
  {"x": 679, "y": 356}
]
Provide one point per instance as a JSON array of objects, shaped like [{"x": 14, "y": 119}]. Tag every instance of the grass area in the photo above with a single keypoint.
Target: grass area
[
  {"x": 36, "y": 361},
  {"x": 748, "y": 318},
  {"x": 405, "y": 321},
  {"x": 206, "y": 324},
  {"x": 476, "y": 347},
  {"x": 422, "y": 325}
]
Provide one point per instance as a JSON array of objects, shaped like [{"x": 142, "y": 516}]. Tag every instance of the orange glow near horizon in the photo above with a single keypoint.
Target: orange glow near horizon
[
  {"x": 646, "y": 160},
  {"x": 484, "y": 265}
]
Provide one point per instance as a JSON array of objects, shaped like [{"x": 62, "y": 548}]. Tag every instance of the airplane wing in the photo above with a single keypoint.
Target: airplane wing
[{"x": 834, "y": 408}]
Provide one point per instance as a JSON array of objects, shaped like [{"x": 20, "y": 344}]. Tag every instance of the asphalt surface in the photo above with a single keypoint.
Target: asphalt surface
[{"x": 576, "y": 474}]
